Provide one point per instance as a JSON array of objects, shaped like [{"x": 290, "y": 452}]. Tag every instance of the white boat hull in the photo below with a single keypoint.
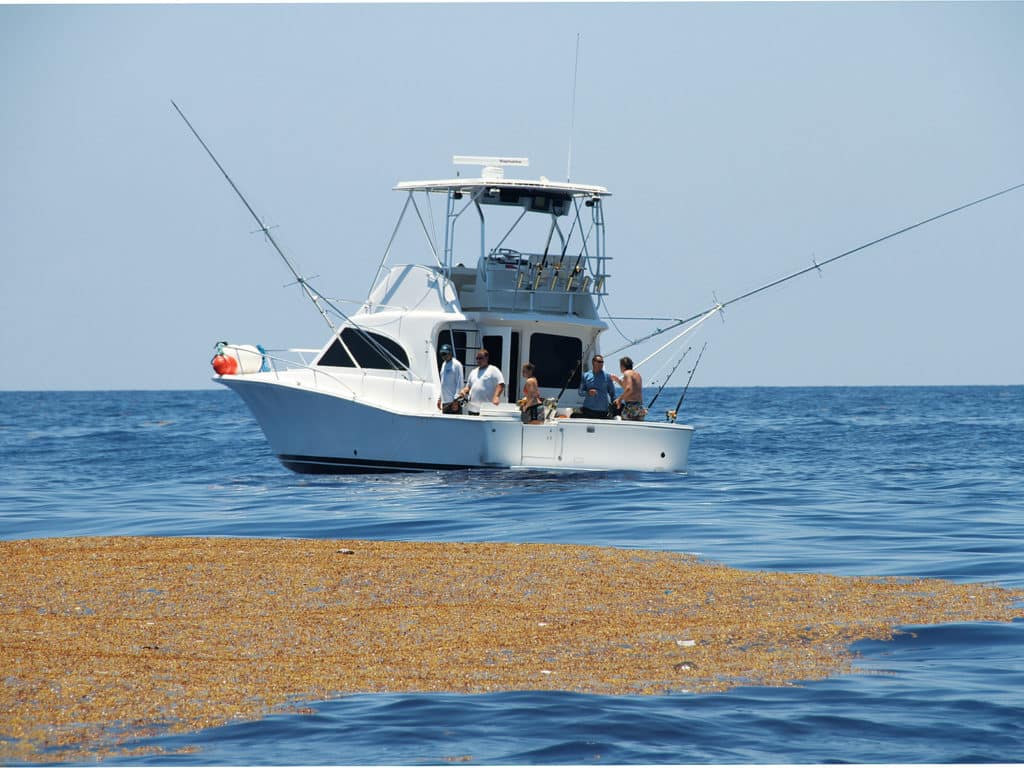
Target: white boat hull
[{"x": 313, "y": 431}]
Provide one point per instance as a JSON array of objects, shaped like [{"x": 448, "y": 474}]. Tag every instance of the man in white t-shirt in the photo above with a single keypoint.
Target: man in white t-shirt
[
  {"x": 485, "y": 384},
  {"x": 452, "y": 382}
]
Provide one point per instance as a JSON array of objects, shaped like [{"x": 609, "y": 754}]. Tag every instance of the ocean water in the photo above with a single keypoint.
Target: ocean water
[{"x": 868, "y": 481}]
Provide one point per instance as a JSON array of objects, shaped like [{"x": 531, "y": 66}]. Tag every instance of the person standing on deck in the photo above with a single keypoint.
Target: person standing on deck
[
  {"x": 598, "y": 391},
  {"x": 631, "y": 399},
  {"x": 452, "y": 381},
  {"x": 485, "y": 385},
  {"x": 531, "y": 404}
]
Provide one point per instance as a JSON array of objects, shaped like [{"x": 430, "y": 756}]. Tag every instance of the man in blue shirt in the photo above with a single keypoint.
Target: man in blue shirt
[{"x": 598, "y": 391}]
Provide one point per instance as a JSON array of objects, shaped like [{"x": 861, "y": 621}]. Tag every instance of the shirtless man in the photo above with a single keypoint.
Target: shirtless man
[{"x": 631, "y": 399}]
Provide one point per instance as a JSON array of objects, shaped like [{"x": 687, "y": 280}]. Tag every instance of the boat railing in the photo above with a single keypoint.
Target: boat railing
[
  {"x": 279, "y": 361},
  {"x": 368, "y": 385}
]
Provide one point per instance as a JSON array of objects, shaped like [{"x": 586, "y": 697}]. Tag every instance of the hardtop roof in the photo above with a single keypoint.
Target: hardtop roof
[{"x": 543, "y": 186}]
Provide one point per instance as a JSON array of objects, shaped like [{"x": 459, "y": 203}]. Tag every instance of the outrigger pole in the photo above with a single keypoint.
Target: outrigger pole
[
  {"x": 310, "y": 293},
  {"x": 817, "y": 265},
  {"x": 313, "y": 295}
]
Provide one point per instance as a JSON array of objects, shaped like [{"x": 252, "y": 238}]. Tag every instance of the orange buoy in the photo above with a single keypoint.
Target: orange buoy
[{"x": 224, "y": 365}]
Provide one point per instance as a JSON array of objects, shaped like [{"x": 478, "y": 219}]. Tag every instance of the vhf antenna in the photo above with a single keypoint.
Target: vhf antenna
[{"x": 572, "y": 108}]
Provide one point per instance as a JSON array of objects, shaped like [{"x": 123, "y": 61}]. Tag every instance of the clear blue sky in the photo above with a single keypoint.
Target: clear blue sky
[{"x": 740, "y": 142}]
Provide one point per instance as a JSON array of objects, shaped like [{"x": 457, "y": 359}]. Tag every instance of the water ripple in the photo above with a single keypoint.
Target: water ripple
[{"x": 874, "y": 481}]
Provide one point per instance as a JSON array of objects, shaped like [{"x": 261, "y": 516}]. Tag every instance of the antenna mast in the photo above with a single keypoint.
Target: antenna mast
[{"x": 572, "y": 108}]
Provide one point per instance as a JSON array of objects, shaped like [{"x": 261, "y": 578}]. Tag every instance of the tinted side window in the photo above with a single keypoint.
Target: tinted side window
[
  {"x": 554, "y": 358},
  {"x": 369, "y": 356},
  {"x": 336, "y": 356},
  {"x": 366, "y": 354}
]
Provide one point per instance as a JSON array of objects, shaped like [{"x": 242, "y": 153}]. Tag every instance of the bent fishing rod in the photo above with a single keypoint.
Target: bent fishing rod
[
  {"x": 817, "y": 265},
  {"x": 312, "y": 294}
]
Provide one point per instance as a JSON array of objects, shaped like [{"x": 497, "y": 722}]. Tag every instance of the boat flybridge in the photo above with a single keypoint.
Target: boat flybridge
[{"x": 521, "y": 272}]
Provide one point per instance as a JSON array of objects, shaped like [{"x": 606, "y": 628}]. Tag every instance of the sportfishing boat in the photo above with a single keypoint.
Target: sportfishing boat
[
  {"x": 369, "y": 399},
  {"x": 521, "y": 271}
]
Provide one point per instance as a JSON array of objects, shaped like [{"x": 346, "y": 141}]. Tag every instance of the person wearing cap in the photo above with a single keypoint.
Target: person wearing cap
[
  {"x": 598, "y": 391},
  {"x": 485, "y": 384},
  {"x": 451, "y": 382}
]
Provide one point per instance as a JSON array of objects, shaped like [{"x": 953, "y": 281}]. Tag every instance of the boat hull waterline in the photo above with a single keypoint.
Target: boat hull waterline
[{"x": 340, "y": 434}]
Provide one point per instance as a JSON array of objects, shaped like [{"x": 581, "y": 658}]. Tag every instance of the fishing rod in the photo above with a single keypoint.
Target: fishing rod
[
  {"x": 572, "y": 373},
  {"x": 578, "y": 366},
  {"x": 565, "y": 248},
  {"x": 547, "y": 247},
  {"x": 557, "y": 268},
  {"x": 579, "y": 259},
  {"x": 670, "y": 373},
  {"x": 312, "y": 294},
  {"x": 574, "y": 273},
  {"x": 673, "y": 413},
  {"x": 817, "y": 265}
]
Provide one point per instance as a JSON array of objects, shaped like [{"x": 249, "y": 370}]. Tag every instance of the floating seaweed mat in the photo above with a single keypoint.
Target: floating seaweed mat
[{"x": 104, "y": 640}]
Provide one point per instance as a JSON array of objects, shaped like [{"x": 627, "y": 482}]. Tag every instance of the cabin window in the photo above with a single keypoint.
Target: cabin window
[
  {"x": 336, "y": 357},
  {"x": 445, "y": 337},
  {"x": 367, "y": 354},
  {"x": 495, "y": 346},
  {"x": 513, "y": 365},
  {"x": 554, "y": 358}
]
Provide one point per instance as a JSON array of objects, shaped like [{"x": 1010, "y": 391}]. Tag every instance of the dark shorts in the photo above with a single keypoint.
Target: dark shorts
[
  {"x": 590, "y": 413},
  {"x": 533, "y": 413},
  {"x": 455, "y": 406}
]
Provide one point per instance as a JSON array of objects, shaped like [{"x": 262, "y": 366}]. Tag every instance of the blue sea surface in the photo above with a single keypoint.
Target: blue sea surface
[{"x": 915, "y": 481}]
